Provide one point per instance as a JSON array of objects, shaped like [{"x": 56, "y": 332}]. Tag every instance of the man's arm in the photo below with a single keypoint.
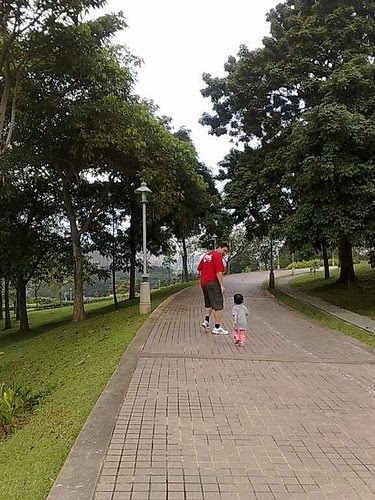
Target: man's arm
[
  {"x": 219, "y": 268},
  {"x": 219, "y": 276}
]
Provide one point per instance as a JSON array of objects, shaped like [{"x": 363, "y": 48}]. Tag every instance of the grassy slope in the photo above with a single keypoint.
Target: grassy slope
[
  {"x": 68, "y": 365},
  {"x": 358, "y": 297},
  {"x": 327, "y": 319}
]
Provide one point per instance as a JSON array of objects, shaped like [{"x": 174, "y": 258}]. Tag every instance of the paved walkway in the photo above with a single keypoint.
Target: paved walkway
[{"x": 190, "y": 416}]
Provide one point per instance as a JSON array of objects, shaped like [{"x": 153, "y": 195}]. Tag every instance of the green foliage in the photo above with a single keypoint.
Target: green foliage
[
  {"x": 14, "y": 401},
  {"x": 84, "y": 119},
  {"x": 244, "y": 255},
  {"x": 303, "y": 104},
  {"x": 80, "y": 144},
  {"x": 306, "y": 264},
  {"x": 24, "y": 28}
]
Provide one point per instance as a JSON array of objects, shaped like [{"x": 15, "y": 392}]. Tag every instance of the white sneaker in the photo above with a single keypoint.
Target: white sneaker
[
  {"x": 219, "y": 331},
  {"x": 206, "y": 324}
]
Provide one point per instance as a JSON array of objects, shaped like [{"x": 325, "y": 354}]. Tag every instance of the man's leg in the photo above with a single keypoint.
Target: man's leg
[
  {"x": 207, "y": 307},
  {"x": 213, "y": 304},
  {"x": 217, "y": 329},
  {"x": 217, "y": 316},
  {"x": 206, "y": 321},
  {"x": 217, "y": 303}
]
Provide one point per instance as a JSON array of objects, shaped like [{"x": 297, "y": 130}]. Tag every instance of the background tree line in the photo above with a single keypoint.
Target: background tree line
[{"x": 75, "y": 142}]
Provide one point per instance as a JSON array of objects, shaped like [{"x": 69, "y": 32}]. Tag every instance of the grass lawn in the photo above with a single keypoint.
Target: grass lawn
[
  {"x": 67, "y": 365},
  {"x": 327, "y": 319},
  {"x": 358, "y": 296}
]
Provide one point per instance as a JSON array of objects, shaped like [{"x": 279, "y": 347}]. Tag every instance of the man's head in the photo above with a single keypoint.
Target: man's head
[{"x": 222, "y": 248}]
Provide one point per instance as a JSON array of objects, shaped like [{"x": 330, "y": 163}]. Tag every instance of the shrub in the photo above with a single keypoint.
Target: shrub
[
  {"x": 309, "y": 264},
  {"x": 14, "y": 402}
]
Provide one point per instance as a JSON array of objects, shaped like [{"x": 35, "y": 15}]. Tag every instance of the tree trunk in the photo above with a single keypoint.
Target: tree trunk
[
  {"x": 325, "y": 260},
  {"x": 347, "y": 273},
  {"x": 133, "y": 253},
  {"x": 22, "y": 307},
  {"x": 79, "y": 313},
  {"x": 114, "y": 284},
  {"x": 17, "y": 306},
  {"x": 7, "y": 323},
  {"x": 4, "y": 105},
  {"x": 1, "y": 300},
  {"x": 114, "y": 261},
  {"x": 185, "y": 272}
]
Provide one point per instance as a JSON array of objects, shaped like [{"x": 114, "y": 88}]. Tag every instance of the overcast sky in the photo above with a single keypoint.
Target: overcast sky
[{"x": 178, "y": 41}]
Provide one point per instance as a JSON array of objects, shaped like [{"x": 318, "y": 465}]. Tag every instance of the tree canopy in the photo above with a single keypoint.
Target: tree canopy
[
  {"x": 71, "y": 122},
  {"x": 302, "y": 106}
]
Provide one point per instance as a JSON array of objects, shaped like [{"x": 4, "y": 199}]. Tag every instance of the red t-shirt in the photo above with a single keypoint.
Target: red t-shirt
[{"x": 210, "y": 264}]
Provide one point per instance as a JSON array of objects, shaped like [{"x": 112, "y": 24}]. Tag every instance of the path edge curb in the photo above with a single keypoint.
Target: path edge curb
[{"x": 79, "y": 475}]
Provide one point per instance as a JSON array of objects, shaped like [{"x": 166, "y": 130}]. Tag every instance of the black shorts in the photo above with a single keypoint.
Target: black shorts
[{"x": 213, "y": 296}]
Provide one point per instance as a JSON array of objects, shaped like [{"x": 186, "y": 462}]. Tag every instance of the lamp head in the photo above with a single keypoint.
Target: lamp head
[{"x": 143, "y": 189}]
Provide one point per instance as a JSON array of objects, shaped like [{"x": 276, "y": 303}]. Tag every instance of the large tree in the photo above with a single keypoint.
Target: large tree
[
  {"x": 31, "y": 233},
  {"x": 23, "y": 24},
  {"x": 74, "y": 92},
  {"x": 301, "y": 105}
]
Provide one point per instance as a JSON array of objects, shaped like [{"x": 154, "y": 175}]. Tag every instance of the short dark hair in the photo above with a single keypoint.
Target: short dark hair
[
  {"x": 238, "y": 298},
  {"x": 222, "y": 245}
]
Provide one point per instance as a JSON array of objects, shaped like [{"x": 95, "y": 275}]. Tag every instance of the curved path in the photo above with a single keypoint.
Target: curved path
[{"x": 289, "y": 416}]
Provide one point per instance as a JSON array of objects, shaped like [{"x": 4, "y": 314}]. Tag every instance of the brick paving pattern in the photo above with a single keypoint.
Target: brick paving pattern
[{"x": 289, "y": 416}]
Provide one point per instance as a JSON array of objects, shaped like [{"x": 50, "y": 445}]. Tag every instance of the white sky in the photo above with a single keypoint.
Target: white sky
[{"x": 178, "y": 41}]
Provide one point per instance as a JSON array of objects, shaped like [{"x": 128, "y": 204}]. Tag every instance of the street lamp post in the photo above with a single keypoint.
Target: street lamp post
[
  {"x": 272, "y": 275},
  {"x": 214, "y": 236},
  {"x": 145, "y": 301},
  {"x": 293, "y": 263}
]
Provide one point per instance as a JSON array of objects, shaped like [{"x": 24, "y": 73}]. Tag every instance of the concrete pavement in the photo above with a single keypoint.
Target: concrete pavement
[{"x": 289, "y": 416}]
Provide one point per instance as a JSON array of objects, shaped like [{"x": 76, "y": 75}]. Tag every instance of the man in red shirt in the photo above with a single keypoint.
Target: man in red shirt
[{"x": 211, "y": 268}]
